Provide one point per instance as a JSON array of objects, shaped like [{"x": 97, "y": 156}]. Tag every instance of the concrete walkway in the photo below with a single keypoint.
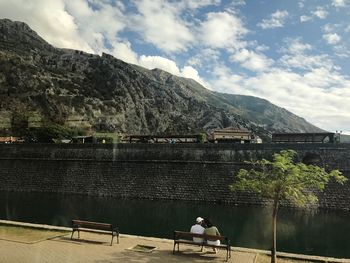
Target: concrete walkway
[{"x": 96, "y": 248}]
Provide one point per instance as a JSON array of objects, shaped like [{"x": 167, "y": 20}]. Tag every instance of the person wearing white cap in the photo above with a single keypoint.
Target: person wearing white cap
[{"x": 198, "y": 229}]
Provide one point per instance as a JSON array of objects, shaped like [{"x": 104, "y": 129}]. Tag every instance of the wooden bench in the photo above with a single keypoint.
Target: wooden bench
[
  {"x": 187, "y": 238},
  {"x": 87, "y": 226}
]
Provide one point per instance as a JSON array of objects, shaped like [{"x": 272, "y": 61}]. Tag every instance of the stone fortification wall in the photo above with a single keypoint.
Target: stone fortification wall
[{"x": 154, "y": 171}]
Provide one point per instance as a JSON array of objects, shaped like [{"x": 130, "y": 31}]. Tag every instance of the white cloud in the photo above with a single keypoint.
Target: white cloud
[
  {"x": 170, "y": 66},
  {"x": 192, "y": 73},
  {"x": 194, "y": 4},
  {"x": 295, "y": 46},
  {"x": 152, "y": 62},
  {"x": 204, "y": 57},
  {"x": 296, "y": 57},
  {"x": 251, "y": 60},
  {"x": 99, "y": 24},
  {"x": 305, "y": 18},
  {"x": 225, "y": 80},
  {"x": 262, "y": 48},
  {"x": 306, "y": 62},
  {"x": 342, "y": 51},
  {"x": 222, "y": 29},
  {"x": 320, "y": 12},
  {"x": 104, "y": 17},
  {"x": 332, "y": 38},
  {"x": 277, "y": 20},
  {"x": 238, "y": 3},
  {"x": 324, "y": 78},
  {"x": 339, "y": 3},
  {"x": 330, "y": 28},
  {"x": 159, "y": 23},
  {"x": 123, "y": 51}
]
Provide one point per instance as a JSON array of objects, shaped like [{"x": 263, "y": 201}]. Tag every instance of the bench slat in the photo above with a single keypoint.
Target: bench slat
[
  {"x": 180, "y": 234},
  {"x": 94, "y": 225}
]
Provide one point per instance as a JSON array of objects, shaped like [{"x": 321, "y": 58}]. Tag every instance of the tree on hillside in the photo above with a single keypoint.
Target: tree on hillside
[
  {"x": 202, "y": 137},
  {"x": 49, "y": 131},
  {"x": 282, "y": 179},
  {"x": 20, "y": 115}
]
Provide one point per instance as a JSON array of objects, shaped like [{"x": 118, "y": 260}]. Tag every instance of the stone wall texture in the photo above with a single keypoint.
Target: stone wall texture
[{"x": 156, "y": 171}]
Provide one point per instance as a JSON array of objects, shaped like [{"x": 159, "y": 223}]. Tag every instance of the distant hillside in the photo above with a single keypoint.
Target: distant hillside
[{"x": 106, "y": 94}]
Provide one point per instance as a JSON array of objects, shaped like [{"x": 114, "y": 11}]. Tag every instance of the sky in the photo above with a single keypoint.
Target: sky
[{"x": 294, "y": 53}]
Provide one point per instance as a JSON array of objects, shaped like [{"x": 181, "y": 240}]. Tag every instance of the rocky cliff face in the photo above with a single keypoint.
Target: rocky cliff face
[{"x": 103, "y": 92}]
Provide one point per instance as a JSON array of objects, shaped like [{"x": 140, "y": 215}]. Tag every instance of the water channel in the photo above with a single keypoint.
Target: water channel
[{"x": 315, "y": 232}]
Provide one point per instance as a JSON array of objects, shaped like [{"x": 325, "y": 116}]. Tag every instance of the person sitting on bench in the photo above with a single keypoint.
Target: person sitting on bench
[
  {"x": 198, "y": 229},
  {"x": 212, "y": 230}
]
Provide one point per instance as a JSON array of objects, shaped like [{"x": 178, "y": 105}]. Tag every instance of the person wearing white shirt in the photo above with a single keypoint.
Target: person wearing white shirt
[{"x": 198, "y": 229}]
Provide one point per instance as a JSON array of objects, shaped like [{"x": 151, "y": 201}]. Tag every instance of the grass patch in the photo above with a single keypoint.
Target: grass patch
[
  {"x": 27, "y": 234},
  {"x": 267, "y": 259}
]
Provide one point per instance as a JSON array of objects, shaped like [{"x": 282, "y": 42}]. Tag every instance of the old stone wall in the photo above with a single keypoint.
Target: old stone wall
[{"x": 154, "y": 171}]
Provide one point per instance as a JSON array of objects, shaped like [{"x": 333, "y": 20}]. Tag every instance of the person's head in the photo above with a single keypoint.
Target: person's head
[
  {"x": 199, "y": 220},
  {"x": 207, "y": 222}
]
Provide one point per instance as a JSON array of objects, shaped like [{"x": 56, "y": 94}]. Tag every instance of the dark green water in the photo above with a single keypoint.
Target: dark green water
[{"x": 324, "y": 233}]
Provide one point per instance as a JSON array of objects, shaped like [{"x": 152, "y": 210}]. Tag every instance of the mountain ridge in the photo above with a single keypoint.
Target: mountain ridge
[{"x": 108, "y": 94}]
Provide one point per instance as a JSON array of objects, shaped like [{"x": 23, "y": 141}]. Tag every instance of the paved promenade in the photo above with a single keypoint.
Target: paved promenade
[{"x": 96, "y": 248}]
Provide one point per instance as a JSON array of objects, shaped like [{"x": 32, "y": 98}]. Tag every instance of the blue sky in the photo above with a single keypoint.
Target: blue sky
[{"x": 294, "y": 53}]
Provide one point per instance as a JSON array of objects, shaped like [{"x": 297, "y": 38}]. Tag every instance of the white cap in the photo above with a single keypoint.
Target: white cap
[{"x": 199, "y": 219}]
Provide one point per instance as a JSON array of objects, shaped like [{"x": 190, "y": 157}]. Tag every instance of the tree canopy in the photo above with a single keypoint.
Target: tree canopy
[
  {"x": 283, "y": 179},
  {"x": 50, "y": 131}
]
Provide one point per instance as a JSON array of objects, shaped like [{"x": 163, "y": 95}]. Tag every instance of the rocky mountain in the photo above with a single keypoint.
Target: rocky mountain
[{"x": 106, "y": 94}]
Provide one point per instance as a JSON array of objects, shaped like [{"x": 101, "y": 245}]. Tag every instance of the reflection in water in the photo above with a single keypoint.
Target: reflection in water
[{"x": 308, "y": 232}]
